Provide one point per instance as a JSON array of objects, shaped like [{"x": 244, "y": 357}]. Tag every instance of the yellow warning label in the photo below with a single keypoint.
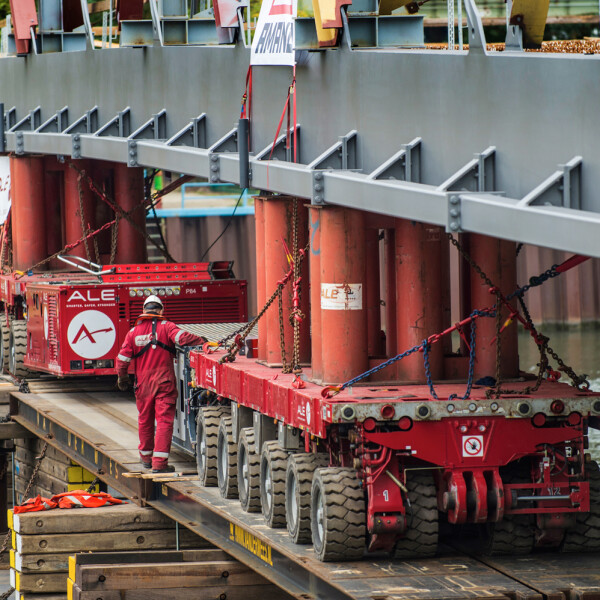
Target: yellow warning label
[{"x": 251, "y": 543}]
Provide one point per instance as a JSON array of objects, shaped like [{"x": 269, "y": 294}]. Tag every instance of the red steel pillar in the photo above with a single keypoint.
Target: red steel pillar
[
  {"x": 343, "y": 297},
  {"x": 498, "y": 260},
  {"x": 279, "y": 219},
  {"x": 28, "y": 211},
  {"x": 53, "y": 178},
  {"x": 261, "y": 291},
  {"x": 372, "y": 293},
  {"x": 420, "y": 252},
  {"x": 129, "y": 194},
  {"x": 314, "y": 254},
  {"x": 75, "y": 204},
  {"x": 389, "y": 249}
]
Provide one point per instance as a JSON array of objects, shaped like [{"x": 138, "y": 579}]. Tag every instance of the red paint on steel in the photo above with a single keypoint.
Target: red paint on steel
[
  {"x": 497, "y": 259},
  {"x": 261, "y": 291},
  {"x": 278, "y": 228},
  {"x": 372, "y": 293},
  {"x": 420, "y": 268},
  {"x": 343, "y": 272},
  {"x": 28, "y": 222},
  {"x": 314, "y": 254},
  {"x": 391, "y": 345},
  {"x": 129, "y": 195},
  {"x": 53, "y": 185},
  {"x": 73, "y": 206},
  {"x": 304, "y": 290},
  {"x": 24, "y": 17}
]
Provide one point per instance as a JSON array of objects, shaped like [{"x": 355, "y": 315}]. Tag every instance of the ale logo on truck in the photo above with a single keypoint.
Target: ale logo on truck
[{"x": 91, "y": 334}]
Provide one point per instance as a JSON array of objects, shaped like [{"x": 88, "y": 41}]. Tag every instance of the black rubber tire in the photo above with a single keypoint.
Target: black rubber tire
[
  {"x": 248, "y": 471},
  {"x": 17, "y": 344},
  {"x": 207, "y": 434},
  {"x": 421, "y": 537},
  {"x": 514, "y": 534},
  {"x": 273, "y": 465},
  {"x": 4, "y": 342},
  {"x": 338, "y": 515},
  {"x": 585, "y": 535},
  {"x": 298, "y": 484},
  {"x": 227, "y": 459}
]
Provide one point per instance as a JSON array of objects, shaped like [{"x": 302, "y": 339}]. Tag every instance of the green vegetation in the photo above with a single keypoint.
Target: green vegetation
[{"x": 4, "y": 8}]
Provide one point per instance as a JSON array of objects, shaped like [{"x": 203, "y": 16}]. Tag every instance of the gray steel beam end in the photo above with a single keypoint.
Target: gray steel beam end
[
  {"x": 76, "y": 152},
  {"x": 454, "y": 224},
  {"x": 132, "y": 153},
  {"x": 318, "y": 188}
]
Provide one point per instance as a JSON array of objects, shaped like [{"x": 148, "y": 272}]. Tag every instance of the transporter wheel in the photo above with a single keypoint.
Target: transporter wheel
[
  {"x": 421, "y": 537},
  {"x": 17, "y": 348},
  {"x": 298, "y": 484},
  {"x": 273, "y": 465},
  {"x": 4, "y": 343},
  {"x": 515, "y": 534},
  {"x": 207, "y": 434},
  {"x": 337, "y": 514},
  {"x": 248, "y": 471},
  {"x": 227, "y": 459},
  {"x": 585, "y": 535}
]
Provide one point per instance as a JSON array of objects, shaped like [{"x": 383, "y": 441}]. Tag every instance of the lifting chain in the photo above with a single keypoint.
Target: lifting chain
[
  {"x": 284, "y": 366},
  {"x": 113, "y": 240},
  {"x": 239, "y": 338},
  {"x": 120, "y": 212},
  {"x": 296, "y": 316},
  {"x": 84, "y": 230},
  {"x": 579, "y": 381}
]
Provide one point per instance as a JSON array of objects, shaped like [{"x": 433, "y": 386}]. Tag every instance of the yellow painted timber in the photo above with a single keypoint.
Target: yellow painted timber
[
  {"x": 70, "y": 584},
  {"x": 9, "y": 518},
  {"x": 12, "y": 559},
  {"x": 531, "y": 15},
  {"x": 387, "y": 7},
  {"x": 72, "y": 567},
  {"x": 326, "y": 37}
]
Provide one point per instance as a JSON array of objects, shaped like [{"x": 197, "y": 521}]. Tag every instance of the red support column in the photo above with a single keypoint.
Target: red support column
[
  {"x": 53, "y": 179},
  {"x": 74, "y": 204},
  {"x": 315, "y": 293},
  {"x": 261, "y": 291},
  {"x": 278, "y": 217},
  {"x": 419, "y": 274},
  {"x": 343, "y": 294},
  {"x": 497, "y": 259},
  {"x": 28, "y": 211},
  {"x": 372, "y": 293},
  {"x": 391, "y": 333},
  {"x": 129, "y": 194}
]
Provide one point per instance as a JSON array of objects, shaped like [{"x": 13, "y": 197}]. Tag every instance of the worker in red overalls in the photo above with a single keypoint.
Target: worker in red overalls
[{"x": 151, "y": 347}]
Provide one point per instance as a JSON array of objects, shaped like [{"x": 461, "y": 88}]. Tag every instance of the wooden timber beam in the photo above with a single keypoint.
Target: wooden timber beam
[{"x": 14, "y": 431}]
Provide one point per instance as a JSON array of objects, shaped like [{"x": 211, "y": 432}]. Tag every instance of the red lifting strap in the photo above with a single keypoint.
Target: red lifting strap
[{"x": 575, "y": 260}]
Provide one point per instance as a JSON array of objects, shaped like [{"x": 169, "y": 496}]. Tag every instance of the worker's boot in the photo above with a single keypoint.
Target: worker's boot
[{"x": 167, "y": 469}]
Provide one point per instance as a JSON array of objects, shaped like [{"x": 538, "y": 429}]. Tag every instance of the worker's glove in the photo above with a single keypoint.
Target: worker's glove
[{"x": 123, "y": 383}]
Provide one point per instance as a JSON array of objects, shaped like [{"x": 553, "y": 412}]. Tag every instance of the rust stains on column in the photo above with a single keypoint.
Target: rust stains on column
[
  {"x": 343, "y": 294},
  {"x": 421, "y": 266},
  {"x": 77, "y": 203},
  {"x": 129, "y": 195},
  {"x": 497, "y": 259},
  {"x": 29, "y": 233}
]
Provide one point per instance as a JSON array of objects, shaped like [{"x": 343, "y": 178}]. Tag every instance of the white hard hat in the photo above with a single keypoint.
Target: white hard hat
[{"x": 153, "y": 300}]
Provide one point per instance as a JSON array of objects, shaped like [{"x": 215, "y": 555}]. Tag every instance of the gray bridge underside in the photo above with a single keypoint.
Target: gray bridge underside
[{"x": 469, "y": 125}]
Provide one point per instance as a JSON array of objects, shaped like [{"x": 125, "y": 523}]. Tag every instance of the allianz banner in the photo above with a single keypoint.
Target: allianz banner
[{"x": 274, "y": 38}]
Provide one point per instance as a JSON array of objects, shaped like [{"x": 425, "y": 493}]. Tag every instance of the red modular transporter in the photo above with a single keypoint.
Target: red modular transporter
[
  {"x": 386, "y": 440},
  {"x": 76, "y": 327}
]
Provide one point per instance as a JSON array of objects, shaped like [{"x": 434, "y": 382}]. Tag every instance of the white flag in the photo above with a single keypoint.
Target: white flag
[{"x": 274, "y": 38}]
